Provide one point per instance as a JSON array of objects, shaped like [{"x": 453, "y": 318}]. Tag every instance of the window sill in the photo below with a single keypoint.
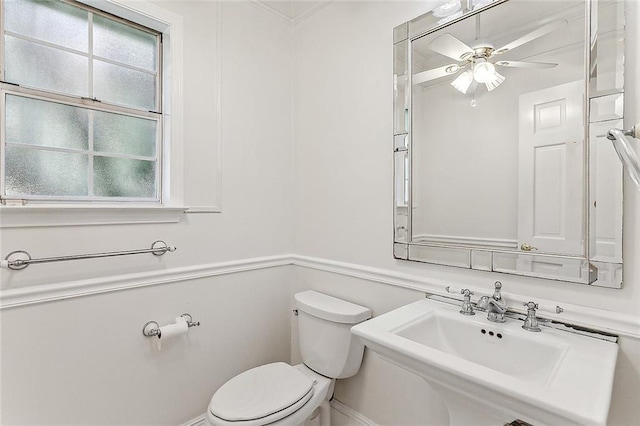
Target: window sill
[{"x": 76, "y": 215}]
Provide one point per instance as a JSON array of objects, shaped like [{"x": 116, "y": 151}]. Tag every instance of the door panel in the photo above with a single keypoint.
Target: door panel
[{"x": 551, "y": 155}]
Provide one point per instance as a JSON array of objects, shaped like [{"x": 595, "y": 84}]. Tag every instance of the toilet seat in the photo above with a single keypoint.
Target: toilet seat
[{"x": 262, "y": 395}]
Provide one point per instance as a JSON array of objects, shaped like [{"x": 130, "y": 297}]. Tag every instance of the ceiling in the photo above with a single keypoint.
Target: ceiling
[{"x": 294, "y": 10}]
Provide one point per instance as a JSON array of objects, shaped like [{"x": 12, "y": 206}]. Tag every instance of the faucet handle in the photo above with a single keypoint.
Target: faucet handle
[
  {"x": 497, "y": 294},
  {"x": 531, "y": 322},
  {"x": 467, "y": 307}
]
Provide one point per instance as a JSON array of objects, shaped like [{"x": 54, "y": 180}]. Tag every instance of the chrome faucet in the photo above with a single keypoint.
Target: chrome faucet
[
  {"x": 467, "y": 307},
  {"x": 495, "y": 305},
  {"x": 531, "y": 322}
]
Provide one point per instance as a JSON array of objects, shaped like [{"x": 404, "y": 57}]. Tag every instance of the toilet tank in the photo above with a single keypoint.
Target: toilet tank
[{"x": 324, "y": 334}]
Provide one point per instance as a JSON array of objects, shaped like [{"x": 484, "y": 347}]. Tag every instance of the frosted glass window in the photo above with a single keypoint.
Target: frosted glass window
[
  {"x": 123, "y": 134},
  {"x": 54, "y": 22},
  {"x": 123, "y": 177},
  {"x": 34, "y": 65},
  {"x": 45, "y": 173},
  {"x": 35, "y": 122},
  {"x": 124, "y": 86},
  {"x": 47, "y": 45},
  {"x": 123, "y": 43},
  {"x": 80, "y": 95}
]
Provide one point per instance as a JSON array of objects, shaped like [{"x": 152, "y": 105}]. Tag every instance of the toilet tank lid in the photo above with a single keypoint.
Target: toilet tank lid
[{"x": 330, "y": 308}]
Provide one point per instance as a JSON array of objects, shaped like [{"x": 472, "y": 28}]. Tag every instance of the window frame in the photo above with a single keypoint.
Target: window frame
[
  {"x": 91, "y": 104},
  {"x": 17, "y": 214}
]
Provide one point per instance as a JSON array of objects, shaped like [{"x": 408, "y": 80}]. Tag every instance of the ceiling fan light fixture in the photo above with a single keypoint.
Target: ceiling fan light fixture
[
  {"x": 448, "y": 8},
  {"x": 484, "y": 71},
  {"x": 477, "y": 4},
  {"x": 463, "y": 82},
  {"x": 495, "y": 82}
]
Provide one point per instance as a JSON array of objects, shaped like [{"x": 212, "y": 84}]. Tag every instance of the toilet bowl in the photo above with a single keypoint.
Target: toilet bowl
[{"x": 280, "y": 394}]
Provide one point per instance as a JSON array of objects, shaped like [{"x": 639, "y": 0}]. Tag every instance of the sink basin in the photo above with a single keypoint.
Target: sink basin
[
  {"x": 510, "y": 352},
  {"x": 552, "y": 377}
]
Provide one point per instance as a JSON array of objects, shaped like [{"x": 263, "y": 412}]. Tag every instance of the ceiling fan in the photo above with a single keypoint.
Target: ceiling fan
[{"x": 477, "y": 62}]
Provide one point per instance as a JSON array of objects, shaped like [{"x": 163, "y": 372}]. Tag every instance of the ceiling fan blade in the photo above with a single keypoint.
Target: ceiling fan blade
[
  {"x": 545, "y": 29},
  {"x": 424, "y": 76},
  {"x": 520, "y": 64},
  {"x": 448, "y": 45}
]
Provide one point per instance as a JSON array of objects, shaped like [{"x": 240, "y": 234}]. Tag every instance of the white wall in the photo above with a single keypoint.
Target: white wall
[
  {"x": 84, "y": 360},
  {"x": 255, "y": 148},
  {"x": 343, "y": 160},
  {"x": 343, "y": 192}
]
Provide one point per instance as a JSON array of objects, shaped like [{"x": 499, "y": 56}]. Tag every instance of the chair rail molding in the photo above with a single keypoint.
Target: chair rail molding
[
  {"x": 620, "y": 324},
  {"x": 15, "y": 297}
]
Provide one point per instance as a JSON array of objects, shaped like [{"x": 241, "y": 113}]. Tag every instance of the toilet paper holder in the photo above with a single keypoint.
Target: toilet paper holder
[{"x": 152, "y": 328}]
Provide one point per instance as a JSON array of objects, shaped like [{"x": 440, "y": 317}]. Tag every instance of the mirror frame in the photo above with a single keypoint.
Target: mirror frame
[{"x": 592, "y": 270}]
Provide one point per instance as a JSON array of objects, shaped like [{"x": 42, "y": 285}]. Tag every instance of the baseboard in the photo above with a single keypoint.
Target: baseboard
[
  {"x": 197, "y": 421},
  {"x": 357, "y": 417}
]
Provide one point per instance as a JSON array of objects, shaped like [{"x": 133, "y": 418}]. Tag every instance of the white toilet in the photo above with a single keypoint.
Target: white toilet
[{"x": 280, "y": 394}]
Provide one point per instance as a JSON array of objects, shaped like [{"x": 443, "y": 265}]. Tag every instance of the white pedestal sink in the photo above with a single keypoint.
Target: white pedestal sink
[{"x": 495, "y": 373}]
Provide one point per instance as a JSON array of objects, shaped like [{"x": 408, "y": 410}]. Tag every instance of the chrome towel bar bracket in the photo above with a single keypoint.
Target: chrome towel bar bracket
[{"x": 20, "y": 259}]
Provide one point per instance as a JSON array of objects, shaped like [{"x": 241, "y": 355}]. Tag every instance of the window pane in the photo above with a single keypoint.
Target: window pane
[
  {"x": 124, "y": 86},
  {"x": 124, "y": 134},
  {"x": 55, "y": 22},
  {"x": 36, "y": 122},
  {"x": 122, "y": 177},
  {"x": 40, "y": 172},
  {"x": 122, "y": 43},
  {"x": 43, "y": 67}
]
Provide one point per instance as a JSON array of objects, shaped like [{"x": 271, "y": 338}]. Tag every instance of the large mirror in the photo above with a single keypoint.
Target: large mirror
[{"x": 501, "y": 160}]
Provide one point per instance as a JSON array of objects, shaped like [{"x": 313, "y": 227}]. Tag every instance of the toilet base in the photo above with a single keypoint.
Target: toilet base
[{"x": 321, "y": 416}]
